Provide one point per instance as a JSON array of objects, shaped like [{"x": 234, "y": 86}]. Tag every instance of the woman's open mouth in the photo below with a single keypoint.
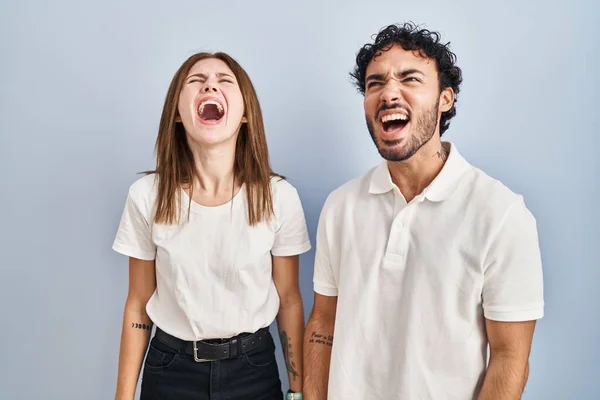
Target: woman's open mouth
[{"x": 210, "y": 111}]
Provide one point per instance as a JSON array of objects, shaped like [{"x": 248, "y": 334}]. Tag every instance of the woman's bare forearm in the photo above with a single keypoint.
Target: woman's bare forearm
[
  {"x": 135, "y": 336},
  {"x": 290, "y": 322}
]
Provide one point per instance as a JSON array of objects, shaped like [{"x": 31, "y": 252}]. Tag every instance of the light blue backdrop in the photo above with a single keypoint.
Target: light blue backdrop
[{"x": 81, "y": 90}]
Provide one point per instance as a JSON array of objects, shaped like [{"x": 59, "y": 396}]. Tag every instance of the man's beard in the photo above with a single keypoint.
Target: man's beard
[{"x": 422, "y": 129}]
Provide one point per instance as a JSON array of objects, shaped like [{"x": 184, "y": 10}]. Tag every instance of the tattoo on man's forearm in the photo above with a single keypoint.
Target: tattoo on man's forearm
[
  {"x": 145, "y": 327},
  {"x": 321, "y": 339},
  {"x": 288, "y": 354}
]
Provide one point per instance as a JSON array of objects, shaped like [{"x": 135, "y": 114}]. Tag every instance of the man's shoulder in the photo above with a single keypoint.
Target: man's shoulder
[
  {"x": 486, "y": 195},
  {"x": 491, "y": 186},
  {"x": 349, "y": 192},
  {"x": 492, "y": 195}
]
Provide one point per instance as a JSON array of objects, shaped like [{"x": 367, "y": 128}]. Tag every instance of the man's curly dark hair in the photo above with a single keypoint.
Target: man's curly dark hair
[{"x": 427, "y": 43}]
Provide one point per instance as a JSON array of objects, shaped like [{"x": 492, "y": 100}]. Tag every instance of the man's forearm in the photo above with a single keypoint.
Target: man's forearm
[
  {"x": 318, "y": 341},
  {"x": 290, "y": 322},
  {"x": 505, "y": 378}
]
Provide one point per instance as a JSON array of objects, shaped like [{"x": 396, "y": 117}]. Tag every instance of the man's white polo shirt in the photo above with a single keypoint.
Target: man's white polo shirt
[{"x": 415, "y": 281}]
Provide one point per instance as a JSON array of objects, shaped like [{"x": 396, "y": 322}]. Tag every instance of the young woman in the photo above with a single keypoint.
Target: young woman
[{"x": 213, "y": 238}]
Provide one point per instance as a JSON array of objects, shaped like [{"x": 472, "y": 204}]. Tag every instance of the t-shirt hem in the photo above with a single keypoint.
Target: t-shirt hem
[
  {"x": 291, "y": 250},
  {"x": 176, "y": 329},
  {"x": 133, "y": 252},
  {"x": 515, "y": 316},
  {"x": 325, "y": 290}
]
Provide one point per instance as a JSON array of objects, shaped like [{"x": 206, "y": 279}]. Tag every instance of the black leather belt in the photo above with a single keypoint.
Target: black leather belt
[{"x": 216, "y": 349}]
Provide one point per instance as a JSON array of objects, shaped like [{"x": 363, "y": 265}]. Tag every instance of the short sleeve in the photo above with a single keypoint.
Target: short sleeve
[
  {"x": 513, "y": 278},
  {"x": 291, "y": 235},
  {"x": 134, "y": 235},
  {"x": 324, "y": 278}
]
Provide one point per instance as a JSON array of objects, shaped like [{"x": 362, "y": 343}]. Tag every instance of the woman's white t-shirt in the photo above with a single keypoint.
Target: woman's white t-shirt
[{"x": 213, "y": 272}]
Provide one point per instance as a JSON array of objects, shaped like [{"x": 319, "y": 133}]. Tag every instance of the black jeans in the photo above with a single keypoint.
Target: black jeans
[{"x": 170, "y": 374}]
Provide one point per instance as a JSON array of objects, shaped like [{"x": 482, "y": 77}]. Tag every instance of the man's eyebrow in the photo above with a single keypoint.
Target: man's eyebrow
[
  {"x": 375, "y": 77},
  {"x": 401, "y": 74},
  {"x": 410, "y": 71}
]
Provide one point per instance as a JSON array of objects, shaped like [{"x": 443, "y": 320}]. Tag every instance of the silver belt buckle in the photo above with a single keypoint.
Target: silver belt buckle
[{"x": 196, "y": 354}]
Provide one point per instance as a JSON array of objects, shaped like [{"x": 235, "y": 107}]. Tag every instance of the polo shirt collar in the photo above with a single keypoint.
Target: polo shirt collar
[
  {"x": 381, "y": 180},
  {"x": 442, "y": 186}
]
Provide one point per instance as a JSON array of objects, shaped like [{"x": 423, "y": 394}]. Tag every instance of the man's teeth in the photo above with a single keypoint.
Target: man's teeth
[
  {"x": 393, "y": 117},
  {"x": 216, "y": 103}
]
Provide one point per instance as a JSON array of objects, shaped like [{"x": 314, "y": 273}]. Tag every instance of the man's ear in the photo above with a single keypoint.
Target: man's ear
[{"x": 446, "y": 99}]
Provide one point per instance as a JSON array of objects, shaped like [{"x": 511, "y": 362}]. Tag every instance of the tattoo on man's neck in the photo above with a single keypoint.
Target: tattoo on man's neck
[
  {"x": 145, "y": 327},
  {"x": 442, "y": 154},
  {"x": 318, "y": 338},
  {"x": 288, "y": 354}
]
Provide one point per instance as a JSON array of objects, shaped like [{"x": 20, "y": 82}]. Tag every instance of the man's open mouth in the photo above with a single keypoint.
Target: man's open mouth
[{"x": 393, "y": 122}]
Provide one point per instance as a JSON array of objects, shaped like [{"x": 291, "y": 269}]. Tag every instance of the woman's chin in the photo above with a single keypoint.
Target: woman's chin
[{"x": 212, "y": 138}]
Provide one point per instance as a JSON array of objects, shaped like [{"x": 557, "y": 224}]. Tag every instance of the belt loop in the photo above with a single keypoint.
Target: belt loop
[
  {"x": 233, "y": 348},
  {"x": 239, "y": 346}
]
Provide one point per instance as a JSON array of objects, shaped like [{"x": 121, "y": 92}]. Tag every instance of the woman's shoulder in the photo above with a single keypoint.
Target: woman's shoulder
[
  {"x": 282, "y": 188},
  {"x": 144, "y": 189},
  {"x": 286, "y": 197}
]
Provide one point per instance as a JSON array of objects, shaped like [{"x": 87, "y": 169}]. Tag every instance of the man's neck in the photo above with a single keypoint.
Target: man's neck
[{"x": 415, "y": 174}]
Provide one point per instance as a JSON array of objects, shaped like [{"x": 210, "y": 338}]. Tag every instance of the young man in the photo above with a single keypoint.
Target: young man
[{"x": 425, "y": 260}]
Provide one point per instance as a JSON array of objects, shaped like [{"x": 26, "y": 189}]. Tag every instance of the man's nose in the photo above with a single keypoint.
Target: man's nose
[{"x": 391, "y": 94}]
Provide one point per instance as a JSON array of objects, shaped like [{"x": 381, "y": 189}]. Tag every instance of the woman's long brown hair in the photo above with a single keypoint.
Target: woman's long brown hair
[{"x": 175, "y": 163}]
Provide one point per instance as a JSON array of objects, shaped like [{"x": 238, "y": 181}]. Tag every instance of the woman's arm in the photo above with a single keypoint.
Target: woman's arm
[
  {"x": 290, "y": 319},
  {"x": 136, "y": 329}
]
